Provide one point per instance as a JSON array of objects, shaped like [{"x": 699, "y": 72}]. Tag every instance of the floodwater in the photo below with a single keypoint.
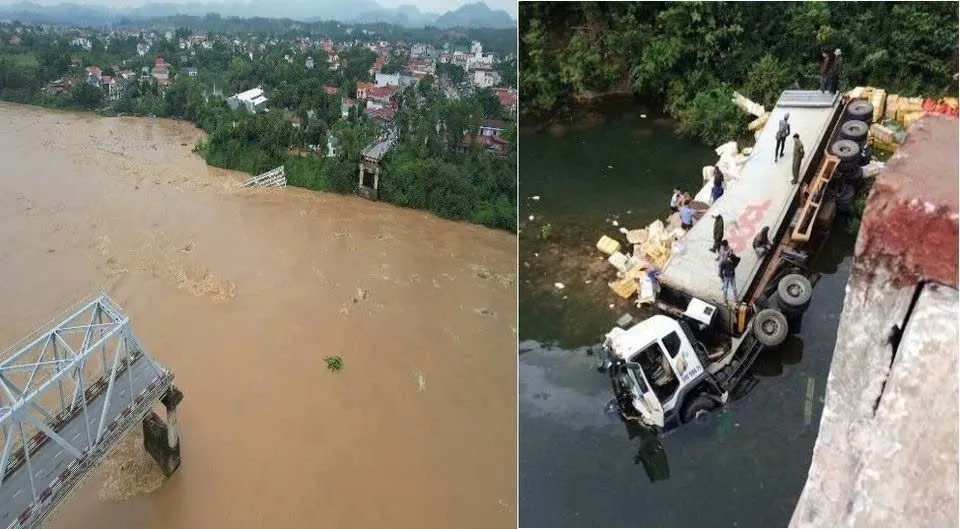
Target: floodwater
[
  {"x": 242, "y": 293},
  {"x": 743, "y": 467}
]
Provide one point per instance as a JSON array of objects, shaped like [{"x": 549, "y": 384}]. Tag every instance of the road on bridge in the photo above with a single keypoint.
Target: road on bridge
[{"x": 50, "y": 460}]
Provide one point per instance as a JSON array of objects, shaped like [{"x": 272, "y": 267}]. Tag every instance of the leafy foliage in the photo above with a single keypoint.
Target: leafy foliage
[{"x": 690, "y": 56}]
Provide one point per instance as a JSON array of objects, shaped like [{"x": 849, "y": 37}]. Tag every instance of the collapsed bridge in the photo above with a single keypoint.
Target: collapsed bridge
[{"x": 69, "y": 392}]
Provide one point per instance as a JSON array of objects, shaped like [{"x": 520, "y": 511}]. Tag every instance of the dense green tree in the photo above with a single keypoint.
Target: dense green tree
[
  {"x": 451, "y": 72},
  {"x": 690, "y": 56}
]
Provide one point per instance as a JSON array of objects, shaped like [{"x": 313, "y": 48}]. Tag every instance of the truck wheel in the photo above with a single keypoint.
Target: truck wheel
[
  {"x": 795, "y": 290},
  {"x": 846, "y": 150},
  {"x": 696, "y": 407},
  {"x": 770, "y": 327},
  {"x": 860, "y": 110},
  {"x": 854, "y": 131}
]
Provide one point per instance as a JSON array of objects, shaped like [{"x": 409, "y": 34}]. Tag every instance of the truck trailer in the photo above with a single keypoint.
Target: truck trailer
[{"x": 685, "y": 360}]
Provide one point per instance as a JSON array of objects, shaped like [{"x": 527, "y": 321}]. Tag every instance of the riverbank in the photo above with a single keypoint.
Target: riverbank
[
  {"x": 475, "y": 186},
  {"x": 242, "y": 293}
]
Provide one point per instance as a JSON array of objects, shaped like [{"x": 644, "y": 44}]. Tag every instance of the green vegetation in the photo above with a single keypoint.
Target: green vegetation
[
  {"x": 429, "y": 167},
  {"x": 688, "y": 57},
  {"x": 334, "y": 363}
]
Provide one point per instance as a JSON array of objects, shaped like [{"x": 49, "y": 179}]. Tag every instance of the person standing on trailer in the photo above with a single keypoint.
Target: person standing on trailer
[
  {"x": 783, "y": 132},
  {"x": 797, "y": 158},
  {"x": 728, "y": 277},
  {"x": 686, "y": 216},
  {"x": 724, "y": 250},
  {"x": 717, "y": 232},
  {"x": 826, "y": 65},
  {"x": 717, "y": 190},
  {"x": 836, "y": 69}
]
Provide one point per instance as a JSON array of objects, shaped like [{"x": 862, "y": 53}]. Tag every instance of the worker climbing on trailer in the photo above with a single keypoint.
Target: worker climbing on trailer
[{"x": 797, "y": 157}]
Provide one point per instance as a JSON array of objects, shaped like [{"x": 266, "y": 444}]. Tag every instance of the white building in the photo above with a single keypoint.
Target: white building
[
  {"x": 387, "y": 79},
  {"x": 253, "y": 100},
  {"x": 485, "y": 78},
  {"x": 82, "y": 42}
]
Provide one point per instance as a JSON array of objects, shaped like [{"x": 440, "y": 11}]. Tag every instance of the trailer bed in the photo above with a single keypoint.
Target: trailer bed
[{"x": 761, "y": 197}]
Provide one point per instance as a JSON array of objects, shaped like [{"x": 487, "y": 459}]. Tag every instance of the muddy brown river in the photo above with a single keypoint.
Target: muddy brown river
[{"x": 242, "y": 293}]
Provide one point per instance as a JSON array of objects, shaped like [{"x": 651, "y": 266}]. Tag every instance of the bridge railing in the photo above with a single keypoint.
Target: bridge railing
[
  {"x": 49, "y": 378},
  {"x": 276, "y": 177}
]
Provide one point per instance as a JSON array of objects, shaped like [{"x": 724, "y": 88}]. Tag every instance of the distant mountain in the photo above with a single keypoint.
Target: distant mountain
[
  {"x": 405, "y": 16},
  {"x": 476, "y": 15},
  {"x": 471, "y": 16}
]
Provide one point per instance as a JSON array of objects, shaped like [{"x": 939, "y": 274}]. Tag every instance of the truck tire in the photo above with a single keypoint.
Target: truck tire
[
  {"x": 695, "y": 406},
  {"x": 855, "y": 130},
  {"x": 860, "y": 110},
  {"x": 845, "y": 196},
  {"x": 770, "y": 327},
  {"x": 846, "y": 150},
  {"x": 794, "y": 290}
]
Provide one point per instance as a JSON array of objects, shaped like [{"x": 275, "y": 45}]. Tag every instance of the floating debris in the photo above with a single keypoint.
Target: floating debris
[
  {"x": 535, "y": 197},
  {"x": 559, "y": 286}
]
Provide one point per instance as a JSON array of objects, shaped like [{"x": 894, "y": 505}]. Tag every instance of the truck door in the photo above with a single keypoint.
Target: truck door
[
  {"x": 646, "y": 402},
  {"x": 682, "y": 357}
]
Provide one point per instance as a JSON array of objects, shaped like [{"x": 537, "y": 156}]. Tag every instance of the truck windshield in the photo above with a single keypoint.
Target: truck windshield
[{"x": 656, "y": 368}]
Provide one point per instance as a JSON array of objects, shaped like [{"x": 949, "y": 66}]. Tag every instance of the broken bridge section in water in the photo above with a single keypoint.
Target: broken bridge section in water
[
  {"x": 370, "y": 158},
  {"x": 69, "y": 392}
]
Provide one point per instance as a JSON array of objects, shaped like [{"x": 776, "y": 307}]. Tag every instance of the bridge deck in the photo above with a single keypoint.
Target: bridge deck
[{"x": 41, "y": 468}]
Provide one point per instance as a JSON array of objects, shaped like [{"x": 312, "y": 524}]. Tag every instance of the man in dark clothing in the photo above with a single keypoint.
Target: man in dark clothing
[
  {"x": 724, "y": 250},
  {"x": 761, "y": 243},
  {"x": 826, "y": 63},
  {"x": 717, "y": 190},
  {"x": 836, "y": 69},
  {"x": 783, "y": 131},
  {"x": 728, "y": 278},
  {"x": 717, "y": 232},
  {"x": 797, "y": 158}
]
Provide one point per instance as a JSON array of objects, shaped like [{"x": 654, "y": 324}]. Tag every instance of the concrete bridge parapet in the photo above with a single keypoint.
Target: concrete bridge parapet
[{"x": 886, "y": 453}]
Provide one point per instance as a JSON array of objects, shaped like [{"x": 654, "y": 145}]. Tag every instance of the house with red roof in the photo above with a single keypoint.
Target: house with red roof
[
  {"x": 363, "y": 88},
  {"x": 508, "y": 99},
  {"x": 378, "y": 65},
  {"x": 489, "y": 136},
  {"x": 330, "y": 90}
]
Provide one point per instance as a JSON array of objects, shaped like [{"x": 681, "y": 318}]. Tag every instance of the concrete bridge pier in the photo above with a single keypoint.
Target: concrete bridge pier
[{"x": 162, "y": 439}]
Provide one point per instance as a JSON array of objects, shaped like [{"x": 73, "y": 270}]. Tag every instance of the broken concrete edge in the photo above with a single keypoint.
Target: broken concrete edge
[
  {"x": 881, "y": 417},
  {"x": 909, "y": 225},
  {"x": 172, "y": 397},
  {"x": 858, "y": 370}
]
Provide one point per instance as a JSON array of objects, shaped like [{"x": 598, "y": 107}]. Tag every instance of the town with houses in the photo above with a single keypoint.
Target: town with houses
[{"x": 151, "y": 63}]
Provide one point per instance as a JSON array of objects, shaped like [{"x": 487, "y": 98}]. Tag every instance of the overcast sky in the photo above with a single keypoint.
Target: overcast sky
[{"x": 435, "y": 6}]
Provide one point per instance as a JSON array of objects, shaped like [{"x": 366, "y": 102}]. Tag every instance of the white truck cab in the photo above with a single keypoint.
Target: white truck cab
[{"x": 655, "y": 367}]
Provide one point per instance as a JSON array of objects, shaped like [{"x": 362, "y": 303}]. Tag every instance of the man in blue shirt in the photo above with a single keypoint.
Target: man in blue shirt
[{"x": 686, "y": 216}]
